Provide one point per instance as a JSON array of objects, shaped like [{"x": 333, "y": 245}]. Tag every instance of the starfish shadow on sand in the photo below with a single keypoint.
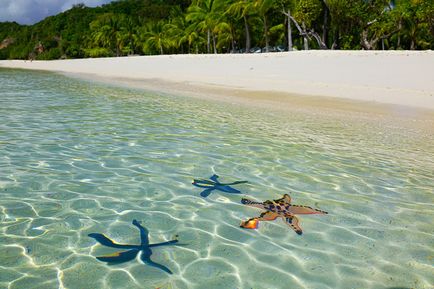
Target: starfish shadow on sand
[
  {"x": 214, "y": 184},
  {"x": 133, "y": 250}
]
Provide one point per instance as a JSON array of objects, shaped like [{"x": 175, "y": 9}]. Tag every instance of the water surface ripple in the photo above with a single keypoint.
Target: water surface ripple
[{"x": 79, "y": 157}]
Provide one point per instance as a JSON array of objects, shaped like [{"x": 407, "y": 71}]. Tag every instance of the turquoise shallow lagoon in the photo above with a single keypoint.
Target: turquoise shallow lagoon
[{"x": 78, "y": 157}]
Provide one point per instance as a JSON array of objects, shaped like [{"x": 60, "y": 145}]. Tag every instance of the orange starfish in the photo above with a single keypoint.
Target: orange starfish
[{"x": 280, "y": 208}]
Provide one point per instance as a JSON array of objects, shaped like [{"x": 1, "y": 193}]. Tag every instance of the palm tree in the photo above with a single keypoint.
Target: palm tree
[
  {"x": 156, "y": 38},
  {"x": 128, "y": 35},
  {"x": 243, "y": 8},
  {"x": 100, "y": 33},
  {"x": 286, "y": 10},
  {"x": 204, "y": 16},
  {"x": 107, "y": 32},
  {"x": 225, "y": 35},
  {"x": 263, "y": 7},
  {"x": 176, "y": 28},
  {"x": 192, "y": 38}
]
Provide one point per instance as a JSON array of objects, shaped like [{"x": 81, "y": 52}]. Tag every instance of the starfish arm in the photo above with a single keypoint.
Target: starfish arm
[
  {"x": 251, "y": 223},
  {"x": 235, "y": 183},
  {"x": 286, "y": 199},
  {"x": 164, "y": 243},
  {"x": 292, "y": 221},
  {"x": 214, "y": 178},
  {"x": 149, "y": 262},
  {"x": 203, "y": 186},
  {"x": 254, "y": 222},
  {"x": 144, "y": 239},
  {"x": 207, "y": 192},
  {"x": 268, "y": 216},
  {"x": 119, "y": 257},
  {"x": 304, "y": 210},
  {"x": 251, "y": 203},
  {"x": 103, "y": 240},
  {"x": 203, "y": 182},
  {"x": 228, "y": 189}
]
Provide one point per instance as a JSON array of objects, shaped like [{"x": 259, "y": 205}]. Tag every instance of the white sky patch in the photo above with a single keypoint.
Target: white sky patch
[{"x": 32, "y": 11}]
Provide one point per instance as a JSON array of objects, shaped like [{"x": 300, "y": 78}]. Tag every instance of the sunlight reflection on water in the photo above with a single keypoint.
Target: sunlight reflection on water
[{"x": 78, "y": 157}]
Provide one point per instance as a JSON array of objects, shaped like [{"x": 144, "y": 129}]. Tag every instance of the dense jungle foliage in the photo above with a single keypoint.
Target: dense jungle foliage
[{"x": 131, "y": 27}]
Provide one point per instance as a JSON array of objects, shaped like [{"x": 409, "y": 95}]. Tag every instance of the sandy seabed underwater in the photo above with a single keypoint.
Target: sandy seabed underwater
[{"x": 78, "y": 157}]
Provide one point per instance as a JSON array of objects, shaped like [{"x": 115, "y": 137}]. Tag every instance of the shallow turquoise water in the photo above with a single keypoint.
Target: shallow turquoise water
[{"x": 79, "y": 157}]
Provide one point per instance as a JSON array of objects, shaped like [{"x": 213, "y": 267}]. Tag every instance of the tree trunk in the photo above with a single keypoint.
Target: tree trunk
[
  {"x": 367, "y": 45},
  {"x": 232, "y": 40},
  {"x": 289, "y": 31},
  {"x": 372, "y": 43},
  {"x": 246, "y": 25},
  {"x": 208, "y": 43},
  {"x": 213, "y": 43},
  {"x": 398, "y": 44},
  {"x": 267, "y": 48},
  {"x": 336, "y": 40},
  {"x": 302, "y": 31},
  {"x": 318, "y": 39},
  {"x": 325, "y": 29},
  {"x": 305, "y": 40},
  {"x": 413, "y": 38}
]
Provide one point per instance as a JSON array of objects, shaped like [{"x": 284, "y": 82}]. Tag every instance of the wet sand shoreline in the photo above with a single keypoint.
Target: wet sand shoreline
[{"x": 381, "y": 82}]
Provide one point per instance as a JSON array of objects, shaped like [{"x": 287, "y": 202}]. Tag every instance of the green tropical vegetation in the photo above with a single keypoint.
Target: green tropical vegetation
[{"x": 146, "y": 27}]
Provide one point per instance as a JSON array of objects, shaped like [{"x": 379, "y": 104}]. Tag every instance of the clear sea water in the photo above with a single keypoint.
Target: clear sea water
[{"x": 78, "y": 157}]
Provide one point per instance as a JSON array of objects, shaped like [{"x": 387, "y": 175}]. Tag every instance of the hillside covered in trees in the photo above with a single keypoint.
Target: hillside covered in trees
[{"x": 131, "y": 27}]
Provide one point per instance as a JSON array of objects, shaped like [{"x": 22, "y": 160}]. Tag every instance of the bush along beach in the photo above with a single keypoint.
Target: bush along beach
[{"x": 147, "y": 27}]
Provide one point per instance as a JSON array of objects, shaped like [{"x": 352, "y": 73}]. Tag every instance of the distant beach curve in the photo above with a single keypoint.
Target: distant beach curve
[{"x": 391, "y": 77}]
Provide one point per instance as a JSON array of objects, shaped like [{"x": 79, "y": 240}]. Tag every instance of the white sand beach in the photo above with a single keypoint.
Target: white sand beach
[{"x": 375, "y": 77}]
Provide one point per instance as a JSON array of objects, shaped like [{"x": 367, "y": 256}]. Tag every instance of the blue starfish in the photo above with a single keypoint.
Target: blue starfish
[
  {"x": 125, "y": 256},
  {"x": 214, "y": 184}
]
